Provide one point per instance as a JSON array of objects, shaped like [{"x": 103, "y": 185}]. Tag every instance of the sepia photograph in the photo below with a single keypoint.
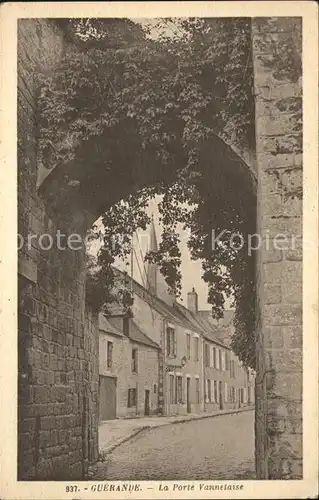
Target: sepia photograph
[{"x": 160, "y": 250}]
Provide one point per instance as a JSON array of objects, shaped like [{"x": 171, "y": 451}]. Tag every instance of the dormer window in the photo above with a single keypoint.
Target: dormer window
[{"x": 126, "y": 326}]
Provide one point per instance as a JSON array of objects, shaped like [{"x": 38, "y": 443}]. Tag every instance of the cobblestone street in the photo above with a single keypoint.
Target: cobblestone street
[{"x": 212, "y": 448}]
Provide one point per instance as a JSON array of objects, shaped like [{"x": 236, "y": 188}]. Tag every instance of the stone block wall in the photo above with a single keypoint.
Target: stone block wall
[
  {"x": 57, "y": 354},
  {"x": 278, "y": 99}
]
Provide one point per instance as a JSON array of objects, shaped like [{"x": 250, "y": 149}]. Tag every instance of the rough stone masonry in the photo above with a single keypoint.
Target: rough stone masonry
[
  {"x": 277, "y": 80},
  {"x": 58, "y": 343}
]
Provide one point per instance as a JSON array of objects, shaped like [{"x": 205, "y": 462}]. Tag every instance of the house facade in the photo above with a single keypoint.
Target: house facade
[
  {"x": 228, "y": 384},
  {"x": 184, "y": 364},
  {"x": 128, "y": 367}
]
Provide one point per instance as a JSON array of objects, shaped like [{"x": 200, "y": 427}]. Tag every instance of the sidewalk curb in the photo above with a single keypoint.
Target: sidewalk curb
[
  {"x": 135, "y": 432},
  {"x": 200, "y": 417},
  {"x": 126, "y": 438}
]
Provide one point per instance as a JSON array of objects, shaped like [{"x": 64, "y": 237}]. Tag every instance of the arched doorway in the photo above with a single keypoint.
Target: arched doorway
[{"x": 53, "y": 283}]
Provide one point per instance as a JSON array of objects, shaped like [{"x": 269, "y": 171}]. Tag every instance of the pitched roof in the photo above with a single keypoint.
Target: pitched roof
[
  {"x": 177, "y": 313},
  {"x": 106, "y": 326},
  {"x": 208, "y": 330},
  {"x": 224, "y": 326},
  {"x": 137, "y": 335}
]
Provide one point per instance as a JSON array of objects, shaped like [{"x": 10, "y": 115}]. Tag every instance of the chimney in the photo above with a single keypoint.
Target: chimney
[
  {"x": 152, "y": 268},
  {"x": 192, "y": 301}
]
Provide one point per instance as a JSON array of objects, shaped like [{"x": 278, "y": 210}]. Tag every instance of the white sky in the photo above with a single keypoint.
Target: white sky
[{"x": 191, "y": 270}]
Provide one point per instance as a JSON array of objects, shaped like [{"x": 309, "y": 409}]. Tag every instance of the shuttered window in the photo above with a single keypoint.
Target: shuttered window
[
  {"x": 245, "y": 395},
  {"x": 188, "y": 346},
  {"x": 209, "y": 390},
  {"x": 197, "y": 391},
  {"x": 226, "y": 392},
  {"x": 232, "y": 368},
  {"x": 132, "y": 398},
  {"x": 227, "y": 360},
  {"x": 217, "y": 358},
  {"x": 109, "y": 360},
  {"x": 223, "y": 367},
  {"x": 215, "y": 391},
  {"x": 220, "y": 361},
  {"x": 134, "y": 360},
  {"x": 171, "y": 346},
  {"x": 171, "y": 388},
  {"x": 212, "y": 391},
  {"x": 207, "y": 354},
  {"x": 179, "y": 390},
  {"x": 196, "y": 348},
  {"x": 214, "y": 358}
]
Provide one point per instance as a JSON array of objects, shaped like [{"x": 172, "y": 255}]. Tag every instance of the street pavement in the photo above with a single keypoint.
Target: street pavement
[
  {"x": 215, "y": 448},
  {"x": 113, "y": 433}
]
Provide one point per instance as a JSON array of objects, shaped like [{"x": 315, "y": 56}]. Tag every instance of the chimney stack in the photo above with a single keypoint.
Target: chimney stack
[
  {"x": 152, "y": 268},
  {"x": 192, "y": 301}
]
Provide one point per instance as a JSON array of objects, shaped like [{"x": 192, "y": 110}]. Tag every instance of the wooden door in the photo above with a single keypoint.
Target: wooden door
[
  {"x": 107, "y": 398},
  {"x": 221, "y": 402},
  {"x": 188, "y": 398},
  {"x": 147, "y": 402}
]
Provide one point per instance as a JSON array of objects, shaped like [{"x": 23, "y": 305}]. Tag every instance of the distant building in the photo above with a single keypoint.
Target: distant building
[
  {"x": 128, "y": 369},
  {"x": 190, "y": 369}
]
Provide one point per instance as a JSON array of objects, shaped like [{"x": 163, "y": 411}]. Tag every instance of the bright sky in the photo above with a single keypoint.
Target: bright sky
[{"x": 191, "y": 270}]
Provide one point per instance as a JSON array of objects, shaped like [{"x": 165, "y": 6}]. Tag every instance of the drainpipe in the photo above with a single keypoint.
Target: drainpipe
[
  {"x": 201, "y": 359},
  {"x": 164, "y": 378}
]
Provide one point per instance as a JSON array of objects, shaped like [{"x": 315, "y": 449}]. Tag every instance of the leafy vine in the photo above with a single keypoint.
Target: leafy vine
[{"x": 170, "y": 96}]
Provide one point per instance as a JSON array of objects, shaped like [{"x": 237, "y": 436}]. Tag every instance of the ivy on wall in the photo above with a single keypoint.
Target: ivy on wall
[{"x": 170, "y": 97}]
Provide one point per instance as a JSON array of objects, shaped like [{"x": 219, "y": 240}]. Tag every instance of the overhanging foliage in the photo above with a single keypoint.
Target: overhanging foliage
[{"x": 170, "y": 98}]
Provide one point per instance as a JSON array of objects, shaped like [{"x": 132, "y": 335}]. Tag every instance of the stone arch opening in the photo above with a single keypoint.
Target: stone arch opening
[{"x": 58, "y": 363}]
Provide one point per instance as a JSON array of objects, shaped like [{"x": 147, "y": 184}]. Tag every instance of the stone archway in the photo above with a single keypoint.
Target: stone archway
[{"x": 58, "y": 362}]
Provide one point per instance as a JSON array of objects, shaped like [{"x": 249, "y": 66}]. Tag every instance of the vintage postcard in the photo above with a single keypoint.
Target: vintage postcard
[{"x": 159, "y": 195}]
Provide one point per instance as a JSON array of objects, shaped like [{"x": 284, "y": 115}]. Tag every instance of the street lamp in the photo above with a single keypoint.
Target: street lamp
[{"x": 172, "y": 368}]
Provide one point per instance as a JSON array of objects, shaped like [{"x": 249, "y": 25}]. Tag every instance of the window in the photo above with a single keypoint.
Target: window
[
  {"x": 209, "y": 390},
  {"x": 207, "y": 355},
  {"x": 241, "y": 393},
  {"x": 126, "y": 329},
  {"x": 197, "y": 391},
  {"x": 170, "y": 341},
  {"x": 232, "y": 368},
  {"x": 179, "y": 390},
  {"x": 220, "y": 361},
  {"x": 134, "y": 360},
  {"x": 215, "y": 391},
  {"x": 226, "y": 392},
  {"x": 196, "y": 348},
  {"x": 109, "y": 359},
  {"x": 188, "y": 347},
  {"x": 214, "y": 357},
  {"x": 132, "y": 398},
  {"x": 227, "y": 360},
  {"x": 155, "y": 389},
  {"x": 217, "y": 359},
  {"x": 234, "y": 395},
  {"x": 171, "y": 389},
  {"x": 245, "y": 400},
  {"x": 223, "y": 367}
]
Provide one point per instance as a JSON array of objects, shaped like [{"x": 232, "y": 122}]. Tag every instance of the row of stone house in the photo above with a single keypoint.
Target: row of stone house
[{"x": 163, "y": 358}]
